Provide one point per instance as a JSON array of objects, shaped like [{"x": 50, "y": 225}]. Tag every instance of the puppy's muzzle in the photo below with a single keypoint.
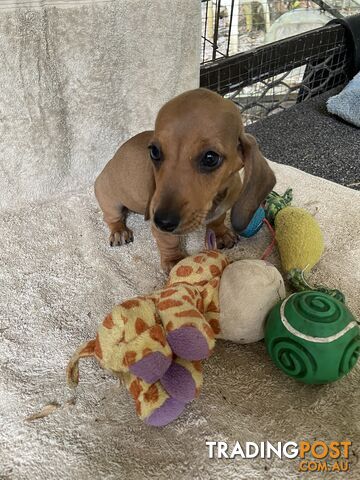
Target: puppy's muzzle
[{"x": 166, "y": 221}]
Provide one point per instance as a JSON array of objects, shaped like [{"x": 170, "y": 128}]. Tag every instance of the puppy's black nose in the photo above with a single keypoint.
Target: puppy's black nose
[{"x": 166, "y": 221}]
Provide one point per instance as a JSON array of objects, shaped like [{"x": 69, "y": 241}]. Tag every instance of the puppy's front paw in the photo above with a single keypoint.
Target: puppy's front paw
[
  {"x": 121, "y": 237},
  {"x": 226, "y": 239},
  {"x": 168, "y": 263}
]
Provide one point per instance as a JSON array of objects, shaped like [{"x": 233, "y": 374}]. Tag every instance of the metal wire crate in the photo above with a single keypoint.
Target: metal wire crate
[{"x": 272, "y": 77}]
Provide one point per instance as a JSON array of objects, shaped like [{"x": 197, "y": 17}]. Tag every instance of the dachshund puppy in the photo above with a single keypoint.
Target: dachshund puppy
[{"x": 185, "y": 174}]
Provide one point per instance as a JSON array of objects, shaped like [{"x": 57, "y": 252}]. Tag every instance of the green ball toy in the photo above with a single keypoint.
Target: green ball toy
[{"x": 313, "y": 337}]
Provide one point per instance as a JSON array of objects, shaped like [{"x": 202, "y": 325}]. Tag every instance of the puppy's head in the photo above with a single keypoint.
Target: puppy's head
[{"x": 197, "y": 149}]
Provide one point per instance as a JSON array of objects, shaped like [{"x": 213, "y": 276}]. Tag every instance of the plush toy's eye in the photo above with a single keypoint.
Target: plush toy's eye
[
  {"x": 210, "y": 161},
  {"x": 155, "y": 153}
]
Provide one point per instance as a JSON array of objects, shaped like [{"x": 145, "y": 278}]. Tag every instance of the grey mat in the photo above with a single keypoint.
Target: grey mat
[{"x": 306, "y": 136}]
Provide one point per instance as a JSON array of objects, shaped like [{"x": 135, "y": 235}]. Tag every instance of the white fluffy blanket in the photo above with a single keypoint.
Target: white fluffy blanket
[
  {"x": 78, "y": 78},
  {"x": 59, "y": 277}
]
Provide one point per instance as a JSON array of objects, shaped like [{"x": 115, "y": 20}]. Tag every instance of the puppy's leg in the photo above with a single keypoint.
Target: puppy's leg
[
  {"x": 170, "y": 249},
  {"x": 225, "y": 237},
  {"x": 120, "y": 234}
]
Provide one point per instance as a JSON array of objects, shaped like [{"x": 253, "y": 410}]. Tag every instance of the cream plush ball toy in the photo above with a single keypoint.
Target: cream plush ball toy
[{"x": 248, "y": 291}]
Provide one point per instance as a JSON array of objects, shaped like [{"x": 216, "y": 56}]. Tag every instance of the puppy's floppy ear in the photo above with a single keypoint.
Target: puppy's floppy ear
[
  {"x": 147, "y": 208},
  {"x": 258, "y": 182}
]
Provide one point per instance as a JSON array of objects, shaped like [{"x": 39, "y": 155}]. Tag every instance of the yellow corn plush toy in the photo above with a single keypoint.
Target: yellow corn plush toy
[
  {"x": 299, "y": 239},
  {"x": 155, "y": 343}
]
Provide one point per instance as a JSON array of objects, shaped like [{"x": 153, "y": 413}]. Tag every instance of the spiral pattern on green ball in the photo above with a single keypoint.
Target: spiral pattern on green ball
[
  {"x": 350, "y": 356},
  {"x": 316, "y": 307},
  {"x": 292, "y": 357}
]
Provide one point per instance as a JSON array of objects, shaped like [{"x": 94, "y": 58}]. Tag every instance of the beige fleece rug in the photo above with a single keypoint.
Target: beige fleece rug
[{"x": 59, "y": 277}]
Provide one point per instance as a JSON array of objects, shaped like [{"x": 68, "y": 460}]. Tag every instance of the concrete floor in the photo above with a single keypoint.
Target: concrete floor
[{"x": 306, "y": 136}]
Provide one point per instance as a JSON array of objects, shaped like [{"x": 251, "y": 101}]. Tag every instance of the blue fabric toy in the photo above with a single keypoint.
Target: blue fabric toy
[{"x": 255, "y": 224}]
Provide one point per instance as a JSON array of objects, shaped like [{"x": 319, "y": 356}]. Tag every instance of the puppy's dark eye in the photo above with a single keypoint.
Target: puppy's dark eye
[
  {"x": 210, "y": 161},
  {"x": 155, "y": 153}
]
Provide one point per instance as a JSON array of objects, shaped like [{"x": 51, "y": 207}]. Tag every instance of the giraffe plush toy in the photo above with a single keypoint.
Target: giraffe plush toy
[{"x": 156, "y": 343}]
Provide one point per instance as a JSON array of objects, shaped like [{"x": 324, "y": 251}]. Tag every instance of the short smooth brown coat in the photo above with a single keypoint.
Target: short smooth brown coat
[{"x": 174, "y": 191}]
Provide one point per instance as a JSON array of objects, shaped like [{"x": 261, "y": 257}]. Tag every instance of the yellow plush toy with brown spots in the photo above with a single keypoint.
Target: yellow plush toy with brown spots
[{"x": 156, "y": 342}]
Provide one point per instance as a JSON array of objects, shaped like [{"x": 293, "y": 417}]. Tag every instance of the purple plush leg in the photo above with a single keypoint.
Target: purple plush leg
[
  {"x": 179, "y": 383},
  {"x": 169, "y": 411},
  {"x": 151, "y": 367},
  {"x": 188, "y": 343}
]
